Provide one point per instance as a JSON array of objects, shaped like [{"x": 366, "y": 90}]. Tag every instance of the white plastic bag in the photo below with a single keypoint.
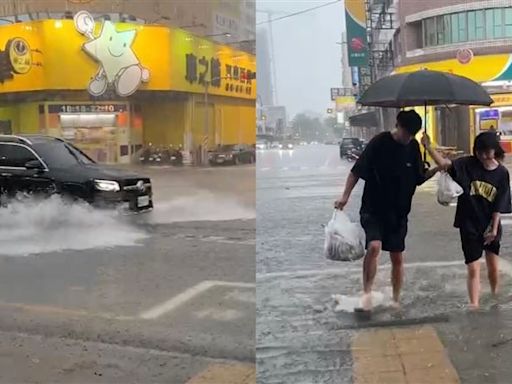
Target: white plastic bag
[
  {"x": 447, "y": 190},
  {"x": 344, "y": 240}
]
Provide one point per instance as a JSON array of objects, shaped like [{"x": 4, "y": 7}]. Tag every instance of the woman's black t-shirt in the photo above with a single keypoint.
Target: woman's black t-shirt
[{"x": 485, "y": 192}]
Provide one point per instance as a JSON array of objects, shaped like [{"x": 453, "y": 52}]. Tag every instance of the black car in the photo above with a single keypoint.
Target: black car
[
  {"x": 232, "y": 154},
  {"x": 42, "y": 165},
  {"x": 350, "y": 144}
]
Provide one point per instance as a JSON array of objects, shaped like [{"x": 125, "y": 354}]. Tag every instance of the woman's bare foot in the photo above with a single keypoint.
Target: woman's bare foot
[
  {"x": 473, "y": 307},
  {"x": 395, "y": 305}
]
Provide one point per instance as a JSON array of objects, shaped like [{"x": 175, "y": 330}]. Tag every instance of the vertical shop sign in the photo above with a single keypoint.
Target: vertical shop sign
[{"x": 357, "y": 41}]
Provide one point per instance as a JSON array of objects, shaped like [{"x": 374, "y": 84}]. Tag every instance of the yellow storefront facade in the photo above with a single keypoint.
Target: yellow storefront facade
[
  {"x": 113, "y": 88},
  {"x": 443, "y": 124}
]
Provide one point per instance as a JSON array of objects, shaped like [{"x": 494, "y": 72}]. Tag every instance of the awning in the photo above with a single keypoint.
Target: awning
[{"x": 366, "y": 119}]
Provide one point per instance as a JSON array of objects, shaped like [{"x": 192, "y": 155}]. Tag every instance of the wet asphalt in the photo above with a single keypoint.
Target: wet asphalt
[
  {"x": 180, "y": 287},
  {"x": 300, "y": 337}
]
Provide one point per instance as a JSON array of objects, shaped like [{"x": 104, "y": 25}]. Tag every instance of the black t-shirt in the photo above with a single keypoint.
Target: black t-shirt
[
  {"x": 391, "y": 171},
  {"x": 485, "y": 192}
]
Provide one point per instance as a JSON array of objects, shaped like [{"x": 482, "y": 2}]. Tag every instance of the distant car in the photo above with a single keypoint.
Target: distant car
[
  {"x": 43, "y": 166},
  {"x": 261, "y": 145},
  {"x": 276, "y": 145},
  {"x": 349, "y": 144},
  {"x": 288, "y": 146},
  {"x": 232, "y": 154}
]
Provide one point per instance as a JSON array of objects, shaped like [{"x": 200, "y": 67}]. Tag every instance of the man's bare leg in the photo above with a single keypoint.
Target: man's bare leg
[
  {"x": 397, "y": 276},
  {"x": 474, "y": 284},
  {"x": 369, "y": 272}
]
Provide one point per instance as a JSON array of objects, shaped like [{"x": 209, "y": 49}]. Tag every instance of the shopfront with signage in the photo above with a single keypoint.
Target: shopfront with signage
[
  {"x": 489, "y": 70},
  {"x": 110, "y": 90}
]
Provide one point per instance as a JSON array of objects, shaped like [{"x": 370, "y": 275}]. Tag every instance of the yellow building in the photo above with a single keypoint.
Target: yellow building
[
  {"x": 113, "y": 87},
  {"x": 458, "y": 125}
]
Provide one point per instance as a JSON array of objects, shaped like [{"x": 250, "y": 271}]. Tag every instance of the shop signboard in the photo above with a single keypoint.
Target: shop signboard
[
  {"x": 490, "y": 114},
  {"x": 340, "y": 92},
  {"x": 357, "y": 41},
  {"x": 118, "y": 66},
  {"x": 365, "y": 79},
  {"x": 180, "y": 61},
  {"x": 86, "y": 108},
  {"x": 236, "y": 79}
]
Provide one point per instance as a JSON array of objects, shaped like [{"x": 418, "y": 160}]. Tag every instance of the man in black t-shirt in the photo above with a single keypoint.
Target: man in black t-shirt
[
  {"x": 392, "y": 168},
  {"x": 486, "y": 186}
]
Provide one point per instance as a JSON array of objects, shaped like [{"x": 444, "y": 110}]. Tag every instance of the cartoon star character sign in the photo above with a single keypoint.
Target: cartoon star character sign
[{"x": 112, "y": 49}]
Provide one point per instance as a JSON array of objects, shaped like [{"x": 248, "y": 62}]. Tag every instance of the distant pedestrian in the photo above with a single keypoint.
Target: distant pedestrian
[
  {"x": 392, "y": 168},
  {"x": 486, "y": 195}
]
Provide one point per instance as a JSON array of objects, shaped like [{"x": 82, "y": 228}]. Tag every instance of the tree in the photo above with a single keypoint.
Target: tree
[
  {"x": 308, "y": 128},
  {"x": 331, "y": 125}
]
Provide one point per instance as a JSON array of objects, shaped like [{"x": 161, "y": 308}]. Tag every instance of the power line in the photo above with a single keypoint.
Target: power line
[{"x": 299, "y": 12}]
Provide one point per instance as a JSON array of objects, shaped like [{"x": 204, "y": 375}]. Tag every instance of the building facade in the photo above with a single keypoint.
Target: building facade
[
  {"x": 468, "y": 38},
  {"x": 224, "y": 21},
  {"x": 113, "y": 87}
]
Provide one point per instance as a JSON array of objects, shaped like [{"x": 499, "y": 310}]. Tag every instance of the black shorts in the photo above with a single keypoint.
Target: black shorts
[
  {"x": 391, "y": 233},
  {"x": 473, "y": 245}
]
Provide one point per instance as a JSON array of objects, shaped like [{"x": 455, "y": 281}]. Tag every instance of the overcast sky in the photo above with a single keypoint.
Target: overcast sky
[{"x": 307, "y": 56}]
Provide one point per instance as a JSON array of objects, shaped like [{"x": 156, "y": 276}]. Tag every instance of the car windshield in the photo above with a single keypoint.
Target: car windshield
[
  {"x": 58, "y": 154},
  {"x": 226, "y": 148},
  {"x": 350, "y": 142}
]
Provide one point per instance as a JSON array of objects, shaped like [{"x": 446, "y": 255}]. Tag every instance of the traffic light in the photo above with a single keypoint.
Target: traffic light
[{"x": 5, "y": 67}]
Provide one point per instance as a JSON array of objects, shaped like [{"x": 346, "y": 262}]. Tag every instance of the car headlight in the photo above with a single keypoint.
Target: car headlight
[
  {"x": 107, "y": 185},
  {"x": 290, "y": 146},
  {"x": 229, "y": 156}
]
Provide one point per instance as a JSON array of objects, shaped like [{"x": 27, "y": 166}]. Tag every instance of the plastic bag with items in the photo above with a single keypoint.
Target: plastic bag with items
[
  {"x": 344, "y": 240},
  {"x": 447, "y": 190}
]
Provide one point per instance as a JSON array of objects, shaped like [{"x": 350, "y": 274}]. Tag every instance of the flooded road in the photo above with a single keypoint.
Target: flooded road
[
  {"x": 305, "y": 318},
  {"x": 177, "y": 282}
]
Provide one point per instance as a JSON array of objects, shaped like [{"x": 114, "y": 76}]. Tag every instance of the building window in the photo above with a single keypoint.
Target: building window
[
  {"x": 472, "y": 26},
  {"x": 495, "y": 23},
  {"x": 455, "y": 28},
  {"x": 480, "y": 25},
  {"x": 463, "y": 30},
  {"x": 489, "y": 23},
  {"x": 498, "y": 23},
  {"x": 430, "y": 32},
  {"x": 440, "y": 30},
  {"x": 508, "y": 22}
]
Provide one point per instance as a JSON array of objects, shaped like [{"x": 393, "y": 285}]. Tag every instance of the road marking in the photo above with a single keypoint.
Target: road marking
[
  {"x": 401, "y": 355},
  {"x": 236, "y": 373},
  {"x": 187, "y": 295}
]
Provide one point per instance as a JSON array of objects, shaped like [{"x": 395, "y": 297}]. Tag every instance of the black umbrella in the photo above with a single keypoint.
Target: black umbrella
[{"x": 424, "y": 87}]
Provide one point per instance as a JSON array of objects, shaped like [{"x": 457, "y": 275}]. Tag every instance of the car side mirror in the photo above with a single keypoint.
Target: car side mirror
[{"x": 34, "y": 165}]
